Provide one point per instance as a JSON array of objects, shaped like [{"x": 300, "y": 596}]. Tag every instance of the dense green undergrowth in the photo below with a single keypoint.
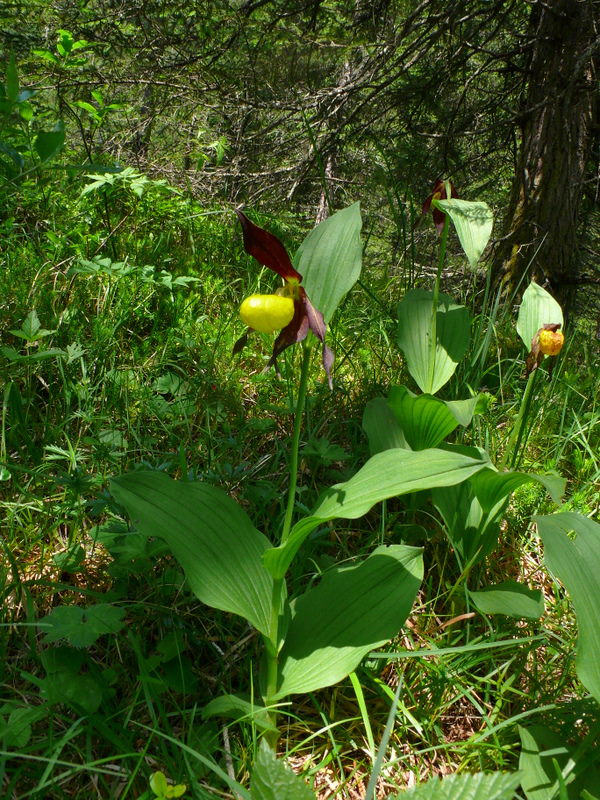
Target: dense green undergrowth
[{"x": 118, "y": 311}]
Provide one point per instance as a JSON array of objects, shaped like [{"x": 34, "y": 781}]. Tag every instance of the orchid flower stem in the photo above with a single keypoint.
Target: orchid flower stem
[
  {"x": 300, "y": 403},
  {"x": 434, "y": 306},
  {"x": 272, "y": 642},
  {"x": 516, "y": 435}
]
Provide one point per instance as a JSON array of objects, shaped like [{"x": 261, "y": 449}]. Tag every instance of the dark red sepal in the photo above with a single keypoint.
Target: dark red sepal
[
  {"x": 439, "y": 193},
  {"x": 295, "y": 331},
  {"x": 267, "y": 249},
  {"x": 241, "y": 343}
]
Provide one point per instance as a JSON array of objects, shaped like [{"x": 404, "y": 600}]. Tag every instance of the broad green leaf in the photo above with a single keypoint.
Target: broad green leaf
[
  {"x": 239, "y": 708},
  {"x": 473, "y": 510},
  {"x": 538, "y": 308},
  {"x": 391, "y": 473},
  {"x": 414, "y": 422},
  {"x": 386, "y": 474},
  {"x": 425, "y": 421},
  {"x": 49, "y": 143},
  {"x": 543, "y": 751},
  {"x": 493, "y": 488},
  {"x": 80, "y": 626},
  {"x": 479, "y": 786},
  {"x": 414, "y": 329},
  {"x": 539, "y": 775},
  {"x": 510, "y": 598},
  {"x": 273, "y": 779},
  {"x": 350, "y": 612},
  {"x": 278, "y": 559},
  {"x": 162, "y": 789},
  {"x": 62, "y": 659},
  {"x": 211, "y": 537},
  {"x": 469, "y": 532},
  {"x": 381, "y": 426},
  {"x": 572, "y": 554},
  {"x": 65, "y": 42},
  {"x": 473, "y": 221},
  {"x": 464, "y": 410},
  {"x": 330, "y": 259}
]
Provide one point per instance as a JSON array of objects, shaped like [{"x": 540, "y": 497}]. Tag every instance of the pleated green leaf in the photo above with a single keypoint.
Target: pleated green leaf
[
  {"x": 425, "y": 421},
  {"x": 544, "y": 750},
  {"x": 209, "y": 534},
  {"x": 382, "y": 427},
  {"x": 330, "y": 259},
  {"x": 572, "y": 554},
  {"x": 510, "y": 598},
  {"x": 493, "y": 488},
  {"x": 48, "y": 143},
  {"x": 452, "y": 332},
  {"x": 414, "y": 422},
  {"x": 395, "y": 472},
  {"x": 473, "y": 222},
  {"x": 240, "y": 708},
  {"x": 350, "y": 612},
  {"x": 386, "y": 474}
]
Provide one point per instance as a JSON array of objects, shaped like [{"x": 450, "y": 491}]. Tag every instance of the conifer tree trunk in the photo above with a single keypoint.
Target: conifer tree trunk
[{"x": 557, "y": 118}]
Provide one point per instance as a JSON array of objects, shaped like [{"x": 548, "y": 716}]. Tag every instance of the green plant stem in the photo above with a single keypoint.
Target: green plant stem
[
  {"x": 272, "y": 658},
  {"x": 293, "y": 467},
  {"x": 434, "y": 306},
  {"x": 272, "y": 641},
  {"x": 516, "y": 435}
]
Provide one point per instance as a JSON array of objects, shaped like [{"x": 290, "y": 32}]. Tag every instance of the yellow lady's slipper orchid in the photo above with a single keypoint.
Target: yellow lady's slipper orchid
[
  {"x": 267, "y": 313},
  {"x": 551, "y": 342},
  {"x": 548, "y": 341},
  {"x": 289, "y": 311}
]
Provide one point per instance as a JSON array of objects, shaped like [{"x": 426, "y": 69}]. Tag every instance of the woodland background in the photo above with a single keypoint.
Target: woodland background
[{"x": 130, "y": 131}]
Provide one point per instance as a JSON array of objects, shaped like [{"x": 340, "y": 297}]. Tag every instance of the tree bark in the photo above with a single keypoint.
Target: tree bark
[{"x": 557, "y": 118}]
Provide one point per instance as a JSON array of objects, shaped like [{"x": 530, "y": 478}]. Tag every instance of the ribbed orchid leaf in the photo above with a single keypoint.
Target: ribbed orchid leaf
[
  {"x": 350, "y": 612},
  {"x": 538, "y": 308},
  {"x": 452, "y": 332},
  {"x": 209, "y": 534},
  {"x": 510, "y": 598},
  {"x": 473, "y": 222},
  {"x": 386, "y": 474},
  {"x": 572, "y": 554},
  {"x": 330, "y": 259}
]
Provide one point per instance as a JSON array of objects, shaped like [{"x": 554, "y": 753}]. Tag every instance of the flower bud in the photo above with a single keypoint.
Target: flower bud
[
  {"x": 551, "y": 342},
  {"x": 267, "y": 313}
]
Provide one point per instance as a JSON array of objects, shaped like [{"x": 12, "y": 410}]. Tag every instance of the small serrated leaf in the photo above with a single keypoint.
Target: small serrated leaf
[
  {"x": 478, "y": 786},
  {"x": 81, "y": 627},
  {"x": 273, "y": 779}
]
